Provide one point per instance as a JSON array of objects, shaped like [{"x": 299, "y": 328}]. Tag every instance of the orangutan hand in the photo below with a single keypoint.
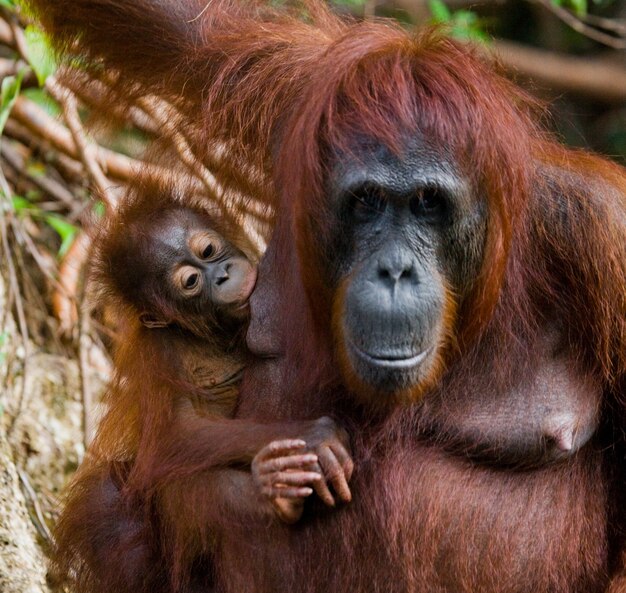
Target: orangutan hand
[
  {"x": 331, "y": 445},
  {"x": 285, "y": 475}
]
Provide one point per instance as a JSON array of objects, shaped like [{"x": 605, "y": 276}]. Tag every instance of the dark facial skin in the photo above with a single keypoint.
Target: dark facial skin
[
  {"x": 410, "y": 235},
  {"x": 193, "y": 269}
]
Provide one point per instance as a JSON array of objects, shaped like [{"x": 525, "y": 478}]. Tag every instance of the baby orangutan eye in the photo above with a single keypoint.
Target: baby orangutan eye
[
  {"x": 189, "y": 280},
  {"x": 209, "y": 250},
  {"x": 205, "y": 245}
]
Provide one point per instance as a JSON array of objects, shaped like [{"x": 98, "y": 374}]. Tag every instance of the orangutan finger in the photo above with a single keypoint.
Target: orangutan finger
[
  {"x": 285, "y": 479},
  {"x": 289, "y": 478},
  {"x": 344, "y": 458},
  {"x": 287, "y": 492},
  {"x": 322, "y": 490},
  {"x": 334, "y": 473},
  {"x": 293, "y": 478},
  {"x": 280, "y": 448},
  {"x": 287, "y": 462}
]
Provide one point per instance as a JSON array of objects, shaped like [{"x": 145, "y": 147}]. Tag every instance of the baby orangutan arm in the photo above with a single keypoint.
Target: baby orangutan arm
[
  {"x": 197, "y": 512},
  {"x": 197, "y": 443}
]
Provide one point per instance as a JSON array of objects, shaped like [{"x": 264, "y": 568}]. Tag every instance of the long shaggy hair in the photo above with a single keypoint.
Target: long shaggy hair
[{"x": 280, "y": 92}]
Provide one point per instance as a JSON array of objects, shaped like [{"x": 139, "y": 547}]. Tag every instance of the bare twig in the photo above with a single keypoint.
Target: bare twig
[
  {"x": 184, "y": 150},
  {"x": 65, "y": 297},
  {"x": 597, "y": 78},
  {"x": 6, "y": 34},
  {"x": 585, "y": 24},
  {"x": 581, "y": 27},
  {"x": 19, "y": 41},
  {"x": 96, "y": 94},
  {"x": 118, "y": 166},
  {"x": 47, "y": 184},
  {"x": 86, "y": 150},
  {"x": 158, "y": 117},
  {"x": 65, "y": 165},
  {"x": 14, "y": 287},
  {"x": 38, "y": 519},
  {"x": 8, "y": 67},
  {"x": 43, "y": 264},
  {"x": 214, "y": 188},
  {"x": 239, "y": 201},
  {"x": 617, "y": 26}
]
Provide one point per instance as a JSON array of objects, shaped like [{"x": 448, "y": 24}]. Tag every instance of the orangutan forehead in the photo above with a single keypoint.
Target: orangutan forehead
[{"x": 413, "y": 162}]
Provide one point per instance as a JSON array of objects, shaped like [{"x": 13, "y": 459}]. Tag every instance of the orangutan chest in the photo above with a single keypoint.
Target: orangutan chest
[
  {"x": 422, "y": 521},
  {"x": 448, "y": 525}
]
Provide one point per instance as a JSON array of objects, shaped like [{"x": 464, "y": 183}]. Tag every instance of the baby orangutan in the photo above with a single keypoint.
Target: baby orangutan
[{"x": 144, "y": 498}]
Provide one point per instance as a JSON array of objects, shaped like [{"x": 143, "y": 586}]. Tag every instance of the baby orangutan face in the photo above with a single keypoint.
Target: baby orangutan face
[
  {"x": 193, "y": 276},
  {"x": 206, "y": 267}
]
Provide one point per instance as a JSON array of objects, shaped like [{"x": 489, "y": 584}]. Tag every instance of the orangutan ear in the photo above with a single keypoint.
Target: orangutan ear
[{"x": 152, "y": 322}]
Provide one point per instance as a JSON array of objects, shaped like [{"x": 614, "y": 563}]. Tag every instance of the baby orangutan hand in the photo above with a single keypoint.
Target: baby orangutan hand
[
  {"x": 284, "y": 475},
  {"x": 288, "y": 471}
]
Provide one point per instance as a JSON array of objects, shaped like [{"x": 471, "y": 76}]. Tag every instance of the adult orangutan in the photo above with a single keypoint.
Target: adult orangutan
[{"x": 438, "y": 254}]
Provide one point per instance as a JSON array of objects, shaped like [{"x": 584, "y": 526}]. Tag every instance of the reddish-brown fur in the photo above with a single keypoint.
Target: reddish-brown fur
[
  {"x": 284, "y": 96},
  {"x": 169, "y": 414}
]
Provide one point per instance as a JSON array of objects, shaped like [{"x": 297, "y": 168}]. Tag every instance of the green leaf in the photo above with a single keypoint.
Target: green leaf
[
  {"x": 352, "y": 3},
  {"x": 578, "y": 6},
  {"x": 66, "y": 230},
  {"x": 43, "y": 99},
  {"x": 462, "y": 24},
  {"x": 465, "y": 18},
  {"x": 21, "y": 204},
  {"x": 466, "y": 25},
  {"x": 40, "y": 54},
  {"x": 7, "y": 4},
  {"x": 440, "y": 12},
  {"x": 9, "y": 91},
  {"x": 35, "y": 169},
  {"x": 33, "y": 195}
]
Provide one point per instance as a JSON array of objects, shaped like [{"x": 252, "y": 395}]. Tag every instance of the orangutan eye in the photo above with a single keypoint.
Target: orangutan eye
[
  {"x": 367, "y": 203},
  {"x": 208, "y": 251},
  {"x": 429, "y": 203},
  {"x": 206, "y": 245},
  {"x": 189, "y": 280}
]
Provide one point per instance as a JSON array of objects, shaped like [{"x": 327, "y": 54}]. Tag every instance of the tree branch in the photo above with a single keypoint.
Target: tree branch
[
  {"x": 599, "y": 79},
  {"x": 120, "y": 167},
  {"x": 570, "y": 19},
  {"x": 87, "y": 150}
]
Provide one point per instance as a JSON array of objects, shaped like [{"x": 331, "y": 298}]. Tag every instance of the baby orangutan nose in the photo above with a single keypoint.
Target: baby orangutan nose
[
  {"x": 222, "y": 274},
  {"x": 233, "y": 281}
]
